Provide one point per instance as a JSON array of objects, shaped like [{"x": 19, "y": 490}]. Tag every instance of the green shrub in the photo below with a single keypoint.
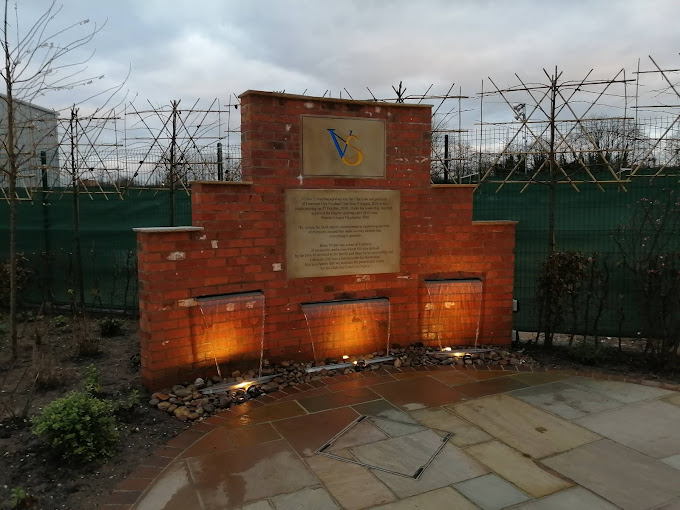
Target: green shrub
[
  {"x": 110, "y": 327},
  {"x": 91, "y": 380},
  {"x": 78, "y": 427},
  {"x": 60, "y": 322}
]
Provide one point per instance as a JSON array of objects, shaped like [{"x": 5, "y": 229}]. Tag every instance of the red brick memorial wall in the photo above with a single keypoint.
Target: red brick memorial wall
[{"x": 336, "y": 217}]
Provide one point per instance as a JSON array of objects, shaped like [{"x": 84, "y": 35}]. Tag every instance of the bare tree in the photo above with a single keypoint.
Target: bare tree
[{"x": 36, "y": 61}]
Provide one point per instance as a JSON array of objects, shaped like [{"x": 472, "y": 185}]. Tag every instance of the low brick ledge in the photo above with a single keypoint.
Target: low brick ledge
[{"x": 129, "y": 490}]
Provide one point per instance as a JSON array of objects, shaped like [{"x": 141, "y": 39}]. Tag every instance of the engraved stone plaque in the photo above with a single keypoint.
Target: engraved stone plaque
[
  {"x": 343, "y": 147},
  {"x": 342, "y": 232}
]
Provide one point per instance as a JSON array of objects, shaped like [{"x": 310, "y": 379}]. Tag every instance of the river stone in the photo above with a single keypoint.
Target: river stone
[
  {"x": 270, "y": 387},
  {"x": 160, "y": 396},
  {"x": 154, "y": 402},
  {"x": 172, "y": 408},
  {"x": 199, "y": 383},
  {"x": 208, "y": 408},
  {"x": 163, "y": 406},
  {"x": 182, "y": 411},
  {"x": 182, "y": 392},
  {"x": 397, "y": 363}
]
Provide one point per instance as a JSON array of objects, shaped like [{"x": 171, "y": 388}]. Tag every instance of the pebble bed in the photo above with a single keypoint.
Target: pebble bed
[{"x": 186, "y": 402}]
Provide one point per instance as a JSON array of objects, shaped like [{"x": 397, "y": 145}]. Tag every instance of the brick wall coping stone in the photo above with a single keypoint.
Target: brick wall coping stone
[
  {"x": 152, "y": 230},
  {"x": 223, "y": 183},
  {"x": 335, "y": 100},
  {"x": 129, "y": 490}
]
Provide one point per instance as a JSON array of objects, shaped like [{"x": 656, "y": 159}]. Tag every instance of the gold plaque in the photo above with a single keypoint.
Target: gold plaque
[
  {"x": 342, "y": 232},
  {"x": 343, "y": 147}
]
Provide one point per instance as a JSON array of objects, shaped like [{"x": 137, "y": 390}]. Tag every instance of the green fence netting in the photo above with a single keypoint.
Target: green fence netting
[{"x": 585, "y": 221}]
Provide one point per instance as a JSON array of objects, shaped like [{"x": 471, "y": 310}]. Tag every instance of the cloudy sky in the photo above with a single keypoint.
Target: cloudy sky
[{"x": 208, "y": 49}]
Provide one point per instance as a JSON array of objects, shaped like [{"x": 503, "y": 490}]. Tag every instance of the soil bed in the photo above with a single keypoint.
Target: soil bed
[{"x": 26, "y": 462}]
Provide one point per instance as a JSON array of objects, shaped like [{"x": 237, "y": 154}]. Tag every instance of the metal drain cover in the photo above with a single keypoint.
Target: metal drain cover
[{"x": 396, "y": 447}]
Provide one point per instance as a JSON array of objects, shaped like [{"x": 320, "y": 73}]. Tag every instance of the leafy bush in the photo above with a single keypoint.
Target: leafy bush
[
  {"x": 110, "y": 327},
  {"x": 78, "y": 427}
]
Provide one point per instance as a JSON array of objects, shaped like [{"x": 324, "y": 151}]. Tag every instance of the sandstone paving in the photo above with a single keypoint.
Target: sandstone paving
[
  {"x": 173, "y": 490},
  {"x": 576, "y": 498},
  {"x": 517, "y": 468},
  {"x": 309, "y": 433},
  {"x": 673, "y": 461},
  {"x": 623, "y": 476},
  {"x": 315, "y": 498},
  {"x": 441, "y": 498},
  {"x": 490, "y": 387},
  {"x": 450, "y": 466},
  {"x": 419, "y": 393},
  {"x": 650, "y": 427},
  {"x": 536, "y": 378},
  {"x": 353, "y": 486},
  {"x": 522, "y": 426},
  {"x": 491, "y": 492},
  {"x": 567, "y": 401},
  {"x": 623, "y": 392},
  {"x": 548, "y": 441},
  {"x": 247, "y": 474},
  {"x": 401, "y": 454},
  {"x": 464, "y": 433},
  {"x": 361, "y": 433},
  {"x": 673, "y": 399}
]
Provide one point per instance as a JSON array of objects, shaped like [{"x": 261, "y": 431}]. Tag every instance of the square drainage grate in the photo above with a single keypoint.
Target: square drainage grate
[{"x": 396, "y": 447}]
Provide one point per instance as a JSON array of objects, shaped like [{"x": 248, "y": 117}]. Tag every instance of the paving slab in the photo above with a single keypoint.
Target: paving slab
[
  {"x": 624, "y": 392},
  {"x": 673, "y": 461},
  {"x": 490, "y": 387},
  {"x": 673, "y": 505},
  {"x": 518, "y": 469},
  {"x": 450, "y": 466},
  {"x": 648, "y": 427},
  {"x": 464, "y": 433},
  {"x": 277, "y": 411},
  {"x": 491, "y": 492},
  {"x": 172, "y": 490},
  {"x": 570, "y": 499},
  {"x": 673, "y": 399},
  {"x": 260, "y": 505},
  {"x": 352, "y": 486},
  {"x": 361, "y": 433},
  {"x": 522, "y": 426},
  {"x": 569, "y": 402},
  {"x": 316, "y": 498},
  {"x": 401, "y": 454},
  {"x": 419, "y": 393},
  {"x": 248, "y": 474},
  {"x": 535, "y": 378},
  {"x": 308, "y": 433},
  {"x": 440, "y": 498},
  {"x": 339, "y": 399},
  {"x": 623, "y": 476}
]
